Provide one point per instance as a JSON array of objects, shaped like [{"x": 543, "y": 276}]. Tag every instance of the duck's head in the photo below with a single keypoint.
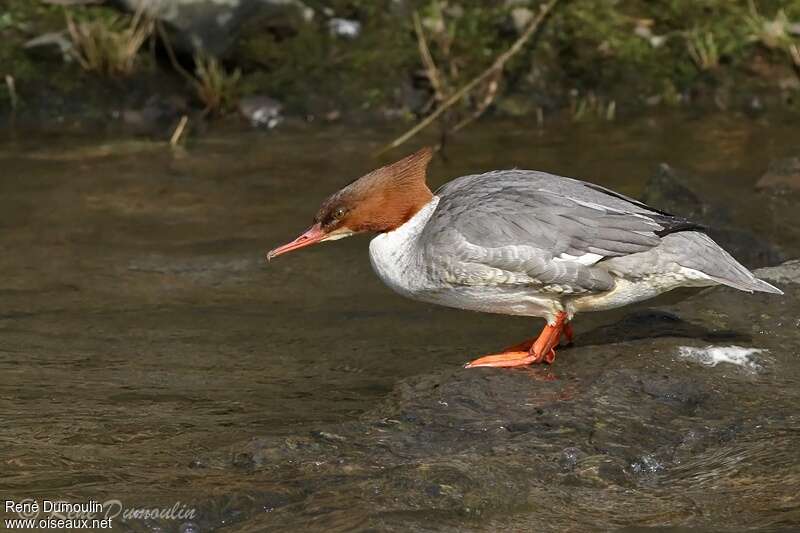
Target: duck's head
[{"x": 380, "y": 201}]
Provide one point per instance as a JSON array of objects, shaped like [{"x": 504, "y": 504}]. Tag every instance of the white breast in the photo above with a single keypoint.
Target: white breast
[{"x": 396, "y": 257}]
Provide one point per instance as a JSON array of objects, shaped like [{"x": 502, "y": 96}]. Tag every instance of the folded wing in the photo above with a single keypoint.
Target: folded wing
[{"x": 531, "y": 228}]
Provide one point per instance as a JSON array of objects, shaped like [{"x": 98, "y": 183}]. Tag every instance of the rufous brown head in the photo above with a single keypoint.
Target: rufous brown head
[{"x": 380, "y": 201}]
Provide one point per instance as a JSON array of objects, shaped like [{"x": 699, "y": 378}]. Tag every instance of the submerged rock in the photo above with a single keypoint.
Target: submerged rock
[
  {"x": 624, "y": 431},
  {"x": 789, "y": 272},
  {"x": 668, "y": 190}
]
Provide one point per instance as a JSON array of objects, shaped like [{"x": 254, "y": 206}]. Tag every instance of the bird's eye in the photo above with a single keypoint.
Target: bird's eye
[{"x": 339, "y": 213}]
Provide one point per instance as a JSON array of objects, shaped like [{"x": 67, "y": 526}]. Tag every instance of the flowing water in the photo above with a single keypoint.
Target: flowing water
[{"x": 143, "y": 337}]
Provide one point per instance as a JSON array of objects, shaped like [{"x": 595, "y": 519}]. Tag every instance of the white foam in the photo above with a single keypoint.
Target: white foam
[{"x": 713, "y": 355}]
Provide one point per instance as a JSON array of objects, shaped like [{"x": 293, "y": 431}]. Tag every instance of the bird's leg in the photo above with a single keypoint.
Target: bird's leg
[
  {"x": 544, "y": 349},
  {"x": 526, "y": 345},
  {"x": 541, "y": 349}
]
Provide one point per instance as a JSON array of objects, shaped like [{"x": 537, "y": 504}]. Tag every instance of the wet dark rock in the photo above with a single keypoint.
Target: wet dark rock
[
  {"x": 750, "y": 249},
  {"x": 789, "y": 272},
  {"x": 623, "y": 414},
  {"x": 652, "y": 323},
  {"x": 667, "y": 190},
  {"x": 55, "y": 39},
  {"x": 678, "y": 393},
  {"x": 156, "y": 114},
  {"x": 781, "y": 174},
  {"x": 208, "y": 25}
]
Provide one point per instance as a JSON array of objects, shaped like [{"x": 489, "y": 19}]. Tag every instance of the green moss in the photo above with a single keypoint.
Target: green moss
[
  {"x": 21, "y": 20},
  {"x": 634, "y": 49},
  {"x": 46, "y": 81},
  {"x": 593, "y": 46},
  {"x": 626, "y": 51},
  {"x": 312, "y": 70}
]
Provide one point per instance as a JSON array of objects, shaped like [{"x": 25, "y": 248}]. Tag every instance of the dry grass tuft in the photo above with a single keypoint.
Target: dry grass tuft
[
  {"x": 794, "y": 51},
  {"x": 703, "y": 50},
  {"x": 776, "y": 34},
  {"x": 591, "y": 107},
  {"x": 216, "y": 88},
  {"x": 772, "y": 33},
  {"x": 109, "y": 46}
]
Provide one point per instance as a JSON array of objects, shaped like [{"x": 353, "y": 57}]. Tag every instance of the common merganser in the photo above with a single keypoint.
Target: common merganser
[{"x": 520, "y": 242}]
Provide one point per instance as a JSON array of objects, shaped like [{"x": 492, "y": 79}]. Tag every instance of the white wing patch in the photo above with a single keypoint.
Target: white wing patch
[{"x": 587, "y": 259}]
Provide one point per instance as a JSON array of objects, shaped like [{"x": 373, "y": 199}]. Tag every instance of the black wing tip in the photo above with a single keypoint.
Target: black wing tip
[
  {"x": 671, "y": 223},
  {"x": 676, "y": 225}
]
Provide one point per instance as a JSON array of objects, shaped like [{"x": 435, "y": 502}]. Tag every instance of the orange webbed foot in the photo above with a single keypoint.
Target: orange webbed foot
[
  {"x": 530, "y": 351},
  {"x": 503, "y": 360}
]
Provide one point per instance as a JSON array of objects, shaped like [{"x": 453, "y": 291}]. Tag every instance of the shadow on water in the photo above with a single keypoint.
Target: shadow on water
[{"x": 149, "y": 355}]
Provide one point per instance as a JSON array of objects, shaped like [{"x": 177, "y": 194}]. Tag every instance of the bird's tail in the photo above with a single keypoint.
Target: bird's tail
[
  {"x": 754, "y": 284},
  {"x": 709, "y": 258}
]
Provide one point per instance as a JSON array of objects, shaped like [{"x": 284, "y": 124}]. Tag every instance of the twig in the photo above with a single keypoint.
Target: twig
[
  {"x": 497, "y": 65},
  {"x": 12, "y": 91},
  {"x": 178, "y": 133},
  {"x": 108, "y": 47},
  {"x": 432, "y": 71},
  {"x": 491, "y": 94}
]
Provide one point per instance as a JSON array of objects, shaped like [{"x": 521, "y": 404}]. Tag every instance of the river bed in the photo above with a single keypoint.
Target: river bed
[{"x": 150, "y": 355}]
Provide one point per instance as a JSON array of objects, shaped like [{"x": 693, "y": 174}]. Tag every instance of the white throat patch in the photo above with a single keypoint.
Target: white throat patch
[{"x": 395, "y": 254}]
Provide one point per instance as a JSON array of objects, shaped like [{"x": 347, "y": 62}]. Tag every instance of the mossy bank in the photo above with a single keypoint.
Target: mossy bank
[{"x": 592, "y": 59}]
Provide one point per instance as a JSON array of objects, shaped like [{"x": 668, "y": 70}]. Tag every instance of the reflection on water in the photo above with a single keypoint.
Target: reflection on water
[{"x": 141, "y": 328}]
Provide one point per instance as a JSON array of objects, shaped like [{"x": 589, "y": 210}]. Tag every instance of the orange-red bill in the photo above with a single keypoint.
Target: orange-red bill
[{"x": 312, "y": 235}]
